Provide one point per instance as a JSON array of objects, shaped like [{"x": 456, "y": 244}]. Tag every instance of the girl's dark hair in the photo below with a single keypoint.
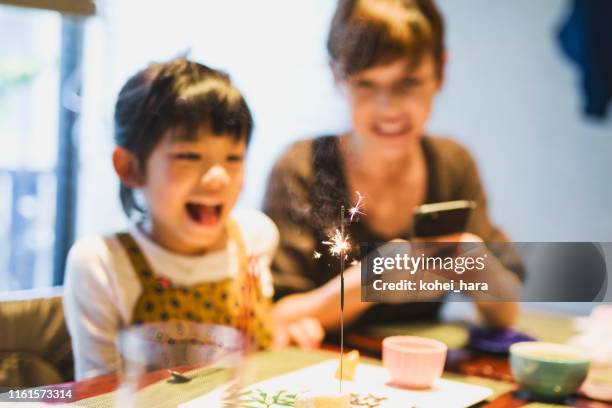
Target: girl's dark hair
[
  {"x": 366, "y": 33},
  {"x": 179, "y": 95}
]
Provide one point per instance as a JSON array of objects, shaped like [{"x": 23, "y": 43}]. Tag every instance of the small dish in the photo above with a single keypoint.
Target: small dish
[
  {"x": 548, "y": 370},
  {"x": 413, "y": 362}
]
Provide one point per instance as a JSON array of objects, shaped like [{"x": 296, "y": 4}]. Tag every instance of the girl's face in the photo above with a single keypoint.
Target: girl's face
[
  {"x": 390, "y": 105},
  {"x": 190, "y": 188}
]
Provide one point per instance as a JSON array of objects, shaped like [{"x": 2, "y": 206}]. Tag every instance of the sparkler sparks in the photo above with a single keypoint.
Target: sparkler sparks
[
  {"x": 356, "y": 209},
  {"x": 338, "y": 243}
]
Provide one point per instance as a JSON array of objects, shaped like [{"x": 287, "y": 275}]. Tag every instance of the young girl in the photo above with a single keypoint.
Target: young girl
[{"x": 181, "y": 131}]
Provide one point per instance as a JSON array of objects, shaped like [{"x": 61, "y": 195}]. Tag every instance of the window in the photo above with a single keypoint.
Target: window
[
  {"x": 39, "y": 77},
  {"x": 29, "y": 88}
]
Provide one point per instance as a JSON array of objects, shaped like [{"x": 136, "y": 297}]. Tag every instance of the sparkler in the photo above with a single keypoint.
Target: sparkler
[
  {"x": 339, "y": 245},
  {"x": 342, "y": 245}
]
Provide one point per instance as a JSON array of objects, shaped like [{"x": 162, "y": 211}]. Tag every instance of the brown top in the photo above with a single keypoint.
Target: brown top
[{"x": 306, "y": 189}]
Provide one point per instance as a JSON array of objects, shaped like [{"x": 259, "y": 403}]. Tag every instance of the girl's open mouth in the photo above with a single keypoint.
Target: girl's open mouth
[{"x": 207, "y": 215}]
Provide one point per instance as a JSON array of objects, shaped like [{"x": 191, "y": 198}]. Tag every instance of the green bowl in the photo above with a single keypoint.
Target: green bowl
[{"x": 548, "y": 370}]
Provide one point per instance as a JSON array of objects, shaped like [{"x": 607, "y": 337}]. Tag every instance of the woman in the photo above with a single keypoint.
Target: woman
[{"x": 387, "y": 57}]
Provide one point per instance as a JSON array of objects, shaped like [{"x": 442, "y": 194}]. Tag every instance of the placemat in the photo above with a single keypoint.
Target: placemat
[{"x": 262, "y": 365}]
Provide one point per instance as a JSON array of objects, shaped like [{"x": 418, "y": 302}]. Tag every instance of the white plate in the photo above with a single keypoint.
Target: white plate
[{"x": 369, "y": 379}]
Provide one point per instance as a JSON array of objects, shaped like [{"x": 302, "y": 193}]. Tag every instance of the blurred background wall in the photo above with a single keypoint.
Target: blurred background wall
[
  {"x": 510, "y": 96},
  {"x": 513, "y": 98}
]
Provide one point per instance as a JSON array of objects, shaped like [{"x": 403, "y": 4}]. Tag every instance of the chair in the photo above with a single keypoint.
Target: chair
[{"x": 35, "y": 345}]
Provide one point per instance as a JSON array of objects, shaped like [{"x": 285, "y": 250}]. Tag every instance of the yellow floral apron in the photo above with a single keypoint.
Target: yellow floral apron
[{"x": 236, "y": 302}]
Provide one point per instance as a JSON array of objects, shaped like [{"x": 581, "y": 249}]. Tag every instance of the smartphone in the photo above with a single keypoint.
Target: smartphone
[{"x": 449, "y": 217}]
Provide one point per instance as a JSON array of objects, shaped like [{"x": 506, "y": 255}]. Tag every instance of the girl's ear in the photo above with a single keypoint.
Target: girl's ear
[{"x": 126, "y": 167}]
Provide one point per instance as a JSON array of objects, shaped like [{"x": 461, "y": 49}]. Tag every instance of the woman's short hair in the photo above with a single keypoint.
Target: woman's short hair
[{"x": 366, "y": 33}]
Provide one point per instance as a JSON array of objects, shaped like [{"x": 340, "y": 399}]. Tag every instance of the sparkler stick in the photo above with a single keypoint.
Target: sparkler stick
[
  {"x": 338, "y": 246},
  {"x": 341, "y": 300}
]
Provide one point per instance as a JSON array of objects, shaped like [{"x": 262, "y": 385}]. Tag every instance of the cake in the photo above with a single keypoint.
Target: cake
[
  {"x": 310, "y": 400},
  {"x": 349, "y": 366}
]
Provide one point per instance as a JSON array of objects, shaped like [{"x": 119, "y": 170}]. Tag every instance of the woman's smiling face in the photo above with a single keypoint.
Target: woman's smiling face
[
  {"x": 390, "y": 105},
  {"x": 190, "y": 187}
]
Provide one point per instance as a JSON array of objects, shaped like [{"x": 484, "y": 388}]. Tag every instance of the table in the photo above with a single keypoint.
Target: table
[{"x": 460, "y": 362}]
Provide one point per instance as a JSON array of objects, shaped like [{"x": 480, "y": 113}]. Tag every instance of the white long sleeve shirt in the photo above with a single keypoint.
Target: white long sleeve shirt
[{"x": 102, "y": 288}]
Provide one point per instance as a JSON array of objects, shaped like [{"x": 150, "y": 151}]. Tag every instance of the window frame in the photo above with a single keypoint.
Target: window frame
[{"x": 68, "y": 151}]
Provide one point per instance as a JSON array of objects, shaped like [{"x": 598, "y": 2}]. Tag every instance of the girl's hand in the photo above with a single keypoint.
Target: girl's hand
[{"x": 306, "y": 333}]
